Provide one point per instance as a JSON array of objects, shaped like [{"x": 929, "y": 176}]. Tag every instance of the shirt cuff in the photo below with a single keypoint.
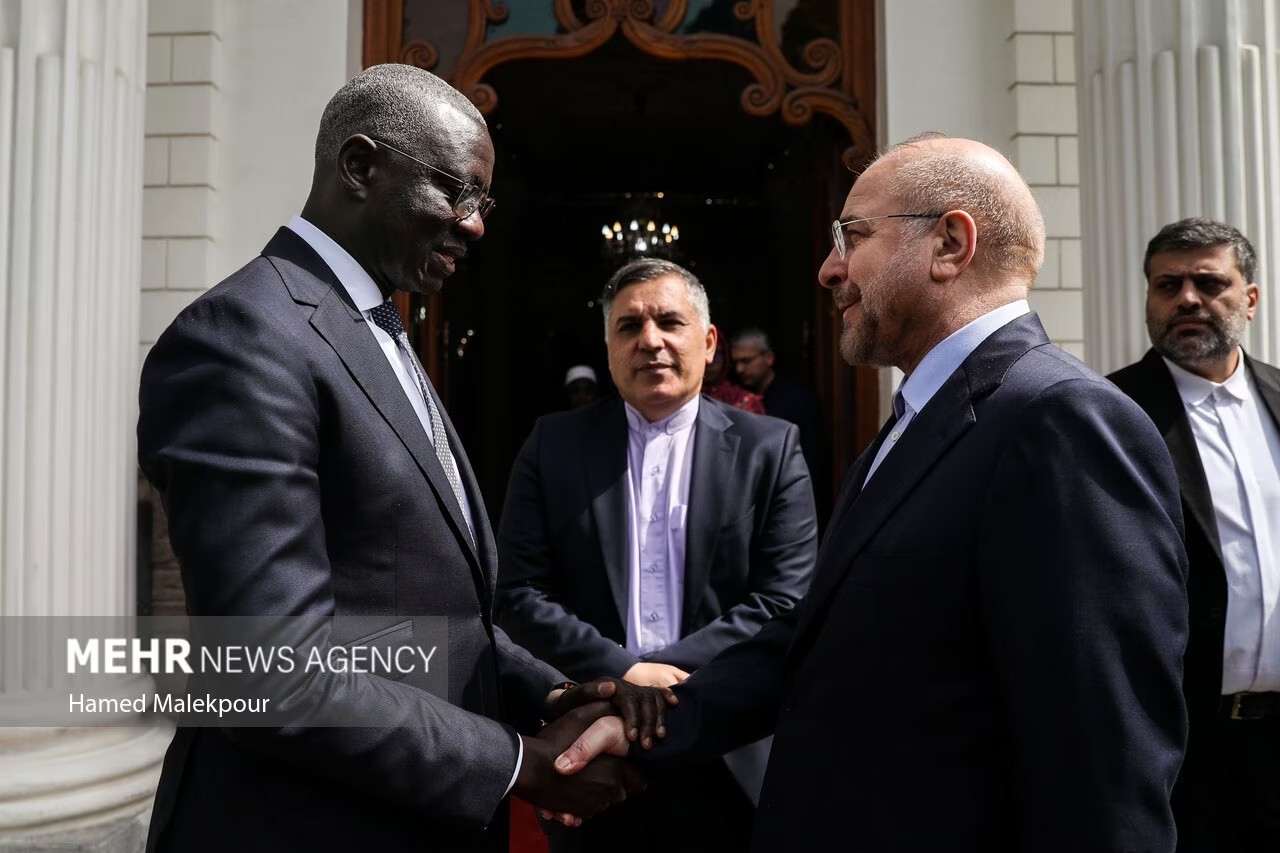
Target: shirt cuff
[{"x": 516, "y": 772}]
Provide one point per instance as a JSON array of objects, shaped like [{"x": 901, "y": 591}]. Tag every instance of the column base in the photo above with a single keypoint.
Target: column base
[{"x": 79, "y": 789}]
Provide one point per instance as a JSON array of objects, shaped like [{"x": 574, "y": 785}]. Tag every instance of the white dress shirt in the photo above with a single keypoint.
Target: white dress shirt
[
  {"x": 1240, "y": 450},
  {"x": 936, "y": 368},
  {"x": 659, "y": 464}
]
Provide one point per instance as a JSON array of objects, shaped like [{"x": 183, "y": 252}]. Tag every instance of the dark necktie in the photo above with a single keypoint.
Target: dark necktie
[{"x": 387, "y": 318}]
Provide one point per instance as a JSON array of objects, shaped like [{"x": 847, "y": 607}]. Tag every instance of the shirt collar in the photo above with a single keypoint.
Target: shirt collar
[
  {"x": 360, "y": 287},
  {"x": 1195, "y": 389},
  {"x": 941, "y": 361},
  {"x": 680, "y": 419}
]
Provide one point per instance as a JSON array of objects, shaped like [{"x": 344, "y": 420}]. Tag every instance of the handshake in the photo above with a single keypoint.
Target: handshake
[{"x": 575, "y": 767}]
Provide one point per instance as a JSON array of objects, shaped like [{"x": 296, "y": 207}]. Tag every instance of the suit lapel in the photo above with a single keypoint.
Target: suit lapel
[
  {"x": 714, "y": 453},
  {"x": 484, "y": 544},
  {"x": 311, "y": 282},
  {"x": 1267, "y": 379},
  {"x": 1159, "y": 398},
  {"x": 948, "y": 415},
  {"x": 605, "y": 461},
  {"x": 853, "y": 482}
]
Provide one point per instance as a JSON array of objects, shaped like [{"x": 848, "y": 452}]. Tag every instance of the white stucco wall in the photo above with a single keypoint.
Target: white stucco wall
[
  {"x": 235, "y": 92},
  {"x": 284, "y": 60},
  {"x": 945, "y": 66},
  {"x": 1002, "y": 72}
]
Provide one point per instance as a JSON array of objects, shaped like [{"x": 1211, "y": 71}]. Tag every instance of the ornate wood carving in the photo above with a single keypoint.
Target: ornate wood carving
[{"x": 778, "y": 88}]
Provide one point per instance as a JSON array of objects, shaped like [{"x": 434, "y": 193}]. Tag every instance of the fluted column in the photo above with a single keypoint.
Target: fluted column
[
  {"x": 1180, "y": 116},
  {"x": 72, "y": 82}
]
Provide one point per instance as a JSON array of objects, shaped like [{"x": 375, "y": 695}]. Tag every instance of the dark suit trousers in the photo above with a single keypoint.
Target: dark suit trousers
[
  {"x": 698, "y": 808},
  {"x": 1227, "y": 799}
]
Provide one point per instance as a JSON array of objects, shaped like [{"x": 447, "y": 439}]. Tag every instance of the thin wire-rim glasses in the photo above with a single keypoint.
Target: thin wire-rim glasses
[
  {"x": 837, "y": 227},
  {"x": 471, "y": 197}
]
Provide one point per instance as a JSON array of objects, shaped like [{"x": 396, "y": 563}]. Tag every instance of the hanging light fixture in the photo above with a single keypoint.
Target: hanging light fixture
[{"x": 640, "y": 231}]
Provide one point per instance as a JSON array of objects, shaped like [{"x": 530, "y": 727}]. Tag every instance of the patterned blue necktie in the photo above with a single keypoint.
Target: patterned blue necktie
[{"x": 387, "y": 318}]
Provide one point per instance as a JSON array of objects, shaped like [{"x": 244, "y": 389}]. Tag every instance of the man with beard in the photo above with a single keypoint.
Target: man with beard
[
  {"x": 989, "y": 657},
  {"x": 1219, "y": 410}
]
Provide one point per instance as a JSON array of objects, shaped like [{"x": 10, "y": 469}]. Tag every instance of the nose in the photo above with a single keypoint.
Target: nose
[
  {"x": 472, "y": 227},
  {"x": 650, "y": 336},
  {"x": 833, "y": 271},
  {"x": 1189, "y": 294}
]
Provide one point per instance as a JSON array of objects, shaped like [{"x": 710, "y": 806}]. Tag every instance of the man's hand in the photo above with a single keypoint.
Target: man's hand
[
  {"x": 653, "y": 674},
  {"x": 569, "y": 799},
  {"x": 603, "y": 737},
  {"x": 641, "y": 708}
]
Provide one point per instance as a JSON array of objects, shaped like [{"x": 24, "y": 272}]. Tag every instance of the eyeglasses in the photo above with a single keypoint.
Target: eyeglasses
[
  {"x": 744, "y": 360},
  {"x": 471, "y": 198},
  {"x": 837, "y": 227}
]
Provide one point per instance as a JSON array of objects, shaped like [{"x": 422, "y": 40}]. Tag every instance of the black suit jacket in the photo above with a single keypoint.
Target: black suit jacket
[
  {"x": 301, "y": 487},
  {"x": 1150, "y": 384},
  {"x": 989, "y": 658},
  {"x": 750, "y": 542}
]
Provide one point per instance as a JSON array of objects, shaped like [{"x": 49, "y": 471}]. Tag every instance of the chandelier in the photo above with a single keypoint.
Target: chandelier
[{"x": 640, "y": 232}]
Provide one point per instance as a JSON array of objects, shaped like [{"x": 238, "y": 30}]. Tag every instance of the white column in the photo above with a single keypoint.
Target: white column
[
  {"x": 72, "y": 79},
  {"x": 1180, "y": 116}
]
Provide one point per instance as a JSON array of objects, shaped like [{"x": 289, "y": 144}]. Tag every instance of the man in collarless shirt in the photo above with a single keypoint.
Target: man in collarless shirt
[
  {"x": 1219, "y": 412},
  {"x": 642, "y": 536}
]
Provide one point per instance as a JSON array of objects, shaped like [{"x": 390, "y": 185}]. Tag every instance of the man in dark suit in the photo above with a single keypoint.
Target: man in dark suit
[
  {"x": 989, "y": 657},
  {"x": 1219, "y": 413},
  {"x": 316, "y": 490},
  {"x": 753, "y": 359},
  {"x": 644, "y": 535}
]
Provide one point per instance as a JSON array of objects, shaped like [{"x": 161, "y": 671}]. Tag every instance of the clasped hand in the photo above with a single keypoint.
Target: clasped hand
[{"x": 588, "y": 785}]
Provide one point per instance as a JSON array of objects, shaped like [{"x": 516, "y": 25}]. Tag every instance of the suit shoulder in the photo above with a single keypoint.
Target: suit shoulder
[
  {"x": 749, "y": 425},
  {"x": 1047, "y": 374},
  {"x": 1265, "y": 369},
  {"x": 1132, "y": 377},
  {"x": 571, "y": 428}
]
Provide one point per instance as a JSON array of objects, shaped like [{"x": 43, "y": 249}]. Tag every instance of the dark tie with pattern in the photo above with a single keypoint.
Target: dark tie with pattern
[{"x": 387, "y": 318}]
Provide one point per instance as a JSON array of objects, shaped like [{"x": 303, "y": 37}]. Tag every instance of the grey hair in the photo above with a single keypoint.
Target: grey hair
[
  {"x": 1201, "y": 233},
  {"x": 751, "y": 335},
  {"x": 1010, "y": 225},
  {"x": 649, "y": 269},
  {"x": 395, "y": 103}
]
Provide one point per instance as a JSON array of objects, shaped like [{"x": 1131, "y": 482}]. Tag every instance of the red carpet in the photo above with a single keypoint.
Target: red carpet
[{"x": 526, "y": 836}]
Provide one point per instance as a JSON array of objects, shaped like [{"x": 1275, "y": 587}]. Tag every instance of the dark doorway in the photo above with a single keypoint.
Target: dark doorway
[{"x": 749, "y": 195}]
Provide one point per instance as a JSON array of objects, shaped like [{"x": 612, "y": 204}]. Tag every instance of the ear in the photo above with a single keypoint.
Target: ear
[
  {"x": 1252, "y": 293},
  {"x": 768, "y": 358},
  {"x": 712, "y": 336},
  {"x": 955, "y": 241},
  {"x": 356, "y": 169}
]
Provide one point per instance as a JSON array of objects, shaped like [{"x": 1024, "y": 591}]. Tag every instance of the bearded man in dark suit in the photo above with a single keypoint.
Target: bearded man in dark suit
[{"x": 1219, "y": 413}]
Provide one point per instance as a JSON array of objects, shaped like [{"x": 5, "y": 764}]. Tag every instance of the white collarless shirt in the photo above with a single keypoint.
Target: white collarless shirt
[
  {"x": 659, "y": 465},
  {"x": 1239, "y": 449}
]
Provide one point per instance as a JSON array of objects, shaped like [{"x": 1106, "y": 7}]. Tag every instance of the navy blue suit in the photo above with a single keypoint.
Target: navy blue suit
[
  {"x": 990, "y": 656},
  {"x": 301, "y": 488}
]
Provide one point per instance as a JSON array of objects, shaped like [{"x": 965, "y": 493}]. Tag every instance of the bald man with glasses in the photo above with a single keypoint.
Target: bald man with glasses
[{"x": 989, "y": 658}]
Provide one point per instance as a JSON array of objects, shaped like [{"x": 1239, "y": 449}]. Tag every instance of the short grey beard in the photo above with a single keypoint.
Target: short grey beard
[{"x": 1223, "y": 338}]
